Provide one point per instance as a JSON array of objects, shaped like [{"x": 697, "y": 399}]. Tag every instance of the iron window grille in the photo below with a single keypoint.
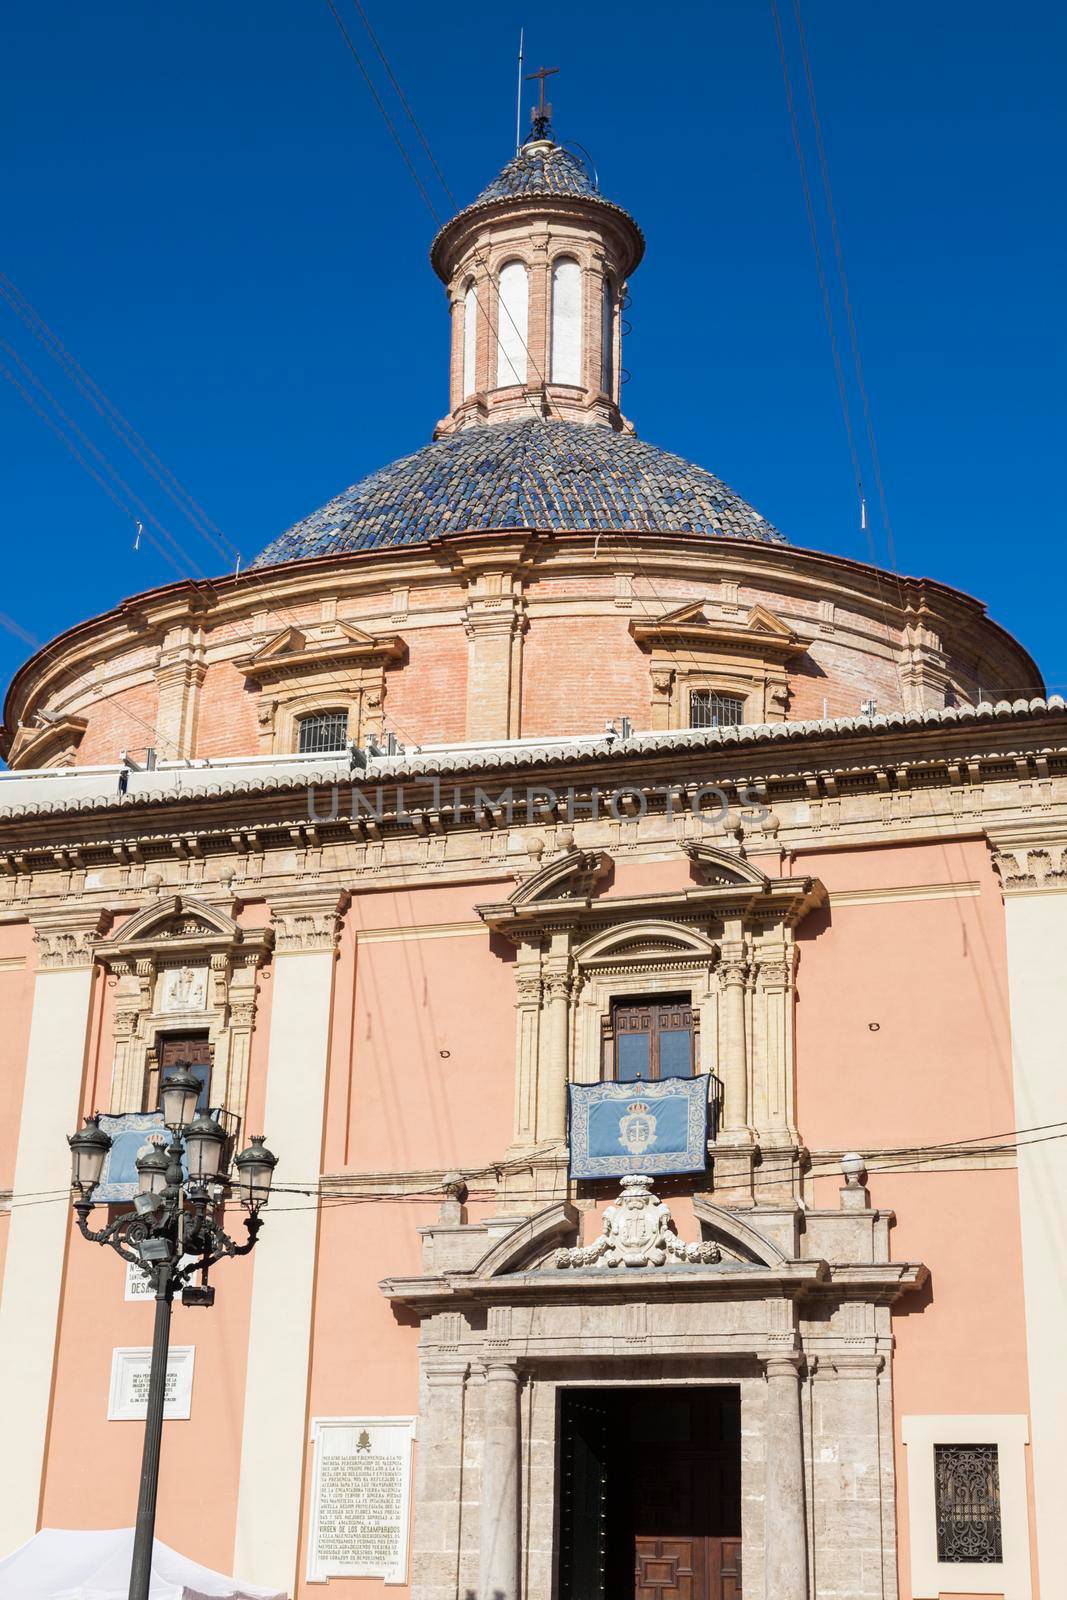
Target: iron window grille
[
  {"x": 325, "y": 731},
  {"x": 709, "y": 709},
  {"x": 967, "y": 1489}
]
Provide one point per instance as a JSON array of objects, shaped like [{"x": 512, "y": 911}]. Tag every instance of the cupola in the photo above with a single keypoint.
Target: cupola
[{"x": 536, "y": 271}]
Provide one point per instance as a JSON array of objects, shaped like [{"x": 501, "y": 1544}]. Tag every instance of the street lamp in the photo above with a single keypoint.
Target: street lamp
[{"x": 172, "y": 1233}]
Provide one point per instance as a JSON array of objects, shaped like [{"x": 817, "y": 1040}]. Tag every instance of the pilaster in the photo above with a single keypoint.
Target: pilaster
[
  {"x": 1031, "y": 862},
  {"x": 180, "y": 674},
  {"x": 306, "y": 927},
  {"x": 37, "y": 1234}
]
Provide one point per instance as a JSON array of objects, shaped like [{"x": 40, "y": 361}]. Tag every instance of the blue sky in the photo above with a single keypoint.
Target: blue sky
[{"x": 205, "y": 205}]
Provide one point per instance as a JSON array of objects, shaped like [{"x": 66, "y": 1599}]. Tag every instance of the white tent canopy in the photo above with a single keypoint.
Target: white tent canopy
[{"x": 94, "y": 1564}]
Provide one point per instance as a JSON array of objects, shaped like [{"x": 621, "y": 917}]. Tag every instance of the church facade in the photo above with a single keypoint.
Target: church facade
[{"x": 535, "y": 780}]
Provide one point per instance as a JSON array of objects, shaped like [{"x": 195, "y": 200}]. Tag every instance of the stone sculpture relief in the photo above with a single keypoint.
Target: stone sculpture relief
[{"x": 637, "y": 1233}]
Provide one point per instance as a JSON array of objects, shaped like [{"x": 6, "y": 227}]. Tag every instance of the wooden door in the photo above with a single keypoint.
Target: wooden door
[{"x": 189, "y": 1049}]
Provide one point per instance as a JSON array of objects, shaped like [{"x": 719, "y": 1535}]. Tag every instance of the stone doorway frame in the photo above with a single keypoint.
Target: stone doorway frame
[{"x": 799, "y": 1316}]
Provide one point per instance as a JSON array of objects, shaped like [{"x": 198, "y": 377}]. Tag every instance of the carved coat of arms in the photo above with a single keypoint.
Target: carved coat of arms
[{"x": 637, "y": 1233}]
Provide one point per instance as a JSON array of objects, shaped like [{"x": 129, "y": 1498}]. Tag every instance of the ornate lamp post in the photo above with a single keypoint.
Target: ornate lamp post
[{"x": 173, "y": 1233}]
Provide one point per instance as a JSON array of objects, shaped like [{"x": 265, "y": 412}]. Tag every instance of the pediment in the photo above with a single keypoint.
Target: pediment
[
  {"x": 181, "y": 923},
  {"x": 736, "y": 1238},
  {"x": 571, "y": 876},
  {"x": 645, "y": 940},
  {"x": 531, "y": 1243},
  {"x": 723, "y": 869},
  {"x": 294, "y": 648},
  {"x": 691, "y": 624},
  {"x": 44, "y": 746}
]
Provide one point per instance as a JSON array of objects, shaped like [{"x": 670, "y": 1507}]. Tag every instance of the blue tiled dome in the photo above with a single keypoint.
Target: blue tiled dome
[
  {"x": 541, "y": 168},
  {"x": 550, "y": 476}
]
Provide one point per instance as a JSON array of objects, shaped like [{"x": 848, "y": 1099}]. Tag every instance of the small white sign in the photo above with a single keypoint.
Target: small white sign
[
  {"x": 139, "y": 1284},
  {"x": 360, "y": 1498},
  {"x": 130, "y": 1368}
]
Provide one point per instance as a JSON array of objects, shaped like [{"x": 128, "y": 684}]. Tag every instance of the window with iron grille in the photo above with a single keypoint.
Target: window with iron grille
[
  {"x": 708, "y": 709},
  {"x": 326, "y": 730},
  {"x": 967, "y": 1487}
]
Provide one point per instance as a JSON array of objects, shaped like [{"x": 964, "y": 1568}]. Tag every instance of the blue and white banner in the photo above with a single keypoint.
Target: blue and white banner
[{"x": 618, "y": 1128}]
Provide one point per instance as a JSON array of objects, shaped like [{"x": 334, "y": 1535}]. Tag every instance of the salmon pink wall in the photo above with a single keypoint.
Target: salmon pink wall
[
  {"x": 439, "y": 989},
  {"x": 960, "y": 1345},
  {"x": 93, "y": 1465},
  {"x": 930, "y": 974}
]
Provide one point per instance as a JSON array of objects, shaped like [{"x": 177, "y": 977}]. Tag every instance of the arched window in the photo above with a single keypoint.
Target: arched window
[
  {"x": 607, "y": 337},
  {"x": 470, "y": 340},
  {"x": 566, "y": 364},
  {"x": 322, "y": 732},
  {"x": 511, "y": 325}
]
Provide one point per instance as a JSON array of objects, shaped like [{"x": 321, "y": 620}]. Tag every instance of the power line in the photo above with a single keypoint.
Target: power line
[
  {"x": 119, "y": 424},
  {"x": 839, "y": 254}
]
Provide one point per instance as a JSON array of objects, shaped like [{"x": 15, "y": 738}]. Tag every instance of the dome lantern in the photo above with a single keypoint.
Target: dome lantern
[{"x": 536, "y": 272}]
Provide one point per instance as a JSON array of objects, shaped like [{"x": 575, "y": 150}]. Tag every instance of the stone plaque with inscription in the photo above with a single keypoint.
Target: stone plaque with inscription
[
  {"x": 360, "y": 1498},
  {"x": 130, "y": 1369}
]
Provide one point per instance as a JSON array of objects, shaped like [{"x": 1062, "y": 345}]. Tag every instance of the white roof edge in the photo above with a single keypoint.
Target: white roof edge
[{"x": 218, "y": 779}]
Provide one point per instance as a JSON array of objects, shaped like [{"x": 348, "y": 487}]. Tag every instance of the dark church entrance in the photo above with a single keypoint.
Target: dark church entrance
[{"x": 651, "y": 1494}]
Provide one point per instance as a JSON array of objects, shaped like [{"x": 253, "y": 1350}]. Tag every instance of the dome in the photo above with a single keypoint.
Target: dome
[
  {"x": 550, "y": 476},
  {"x": 542, "y": 170}
]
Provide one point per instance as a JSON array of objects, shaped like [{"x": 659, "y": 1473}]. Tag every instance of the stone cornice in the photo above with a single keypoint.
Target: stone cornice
[{"x": 884, "y": 599}]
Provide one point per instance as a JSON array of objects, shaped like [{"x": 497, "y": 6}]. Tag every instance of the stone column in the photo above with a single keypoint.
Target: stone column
[
  {"x": 784, "y": 1509},
  {"x": 439, "y": 1485},
  {"x": 733, "y": 975},
  {"x": 37, "y": 1234},
  {"x": 555, "y": 1061},
  {"x": 498, "y": 1561},
  {"x": 274, "y": 1439}
]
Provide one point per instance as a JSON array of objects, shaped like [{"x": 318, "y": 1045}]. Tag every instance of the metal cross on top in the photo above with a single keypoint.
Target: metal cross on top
[{"x": 541, "y": 114}]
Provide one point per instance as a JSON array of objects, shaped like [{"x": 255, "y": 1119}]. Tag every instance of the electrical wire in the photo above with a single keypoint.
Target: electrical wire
[
  {"x": 839, "y": 254},
  {"x": 885, "y": 1160},
  {"x": 124, "y": 430}
]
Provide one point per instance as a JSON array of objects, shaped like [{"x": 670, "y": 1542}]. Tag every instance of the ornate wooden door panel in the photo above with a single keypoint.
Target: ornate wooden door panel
[
  {"x": 669, "y": 1569},
  {"x": 724, "y": 1569}
]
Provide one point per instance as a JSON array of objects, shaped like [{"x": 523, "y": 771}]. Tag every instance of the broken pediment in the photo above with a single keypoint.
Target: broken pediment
[{"x": 723, "y": 869}]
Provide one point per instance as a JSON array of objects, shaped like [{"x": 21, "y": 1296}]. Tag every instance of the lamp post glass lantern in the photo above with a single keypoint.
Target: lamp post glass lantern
[
  {"x": 178, "y": 1096},
  {"x": 174, "y": 1233}
]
